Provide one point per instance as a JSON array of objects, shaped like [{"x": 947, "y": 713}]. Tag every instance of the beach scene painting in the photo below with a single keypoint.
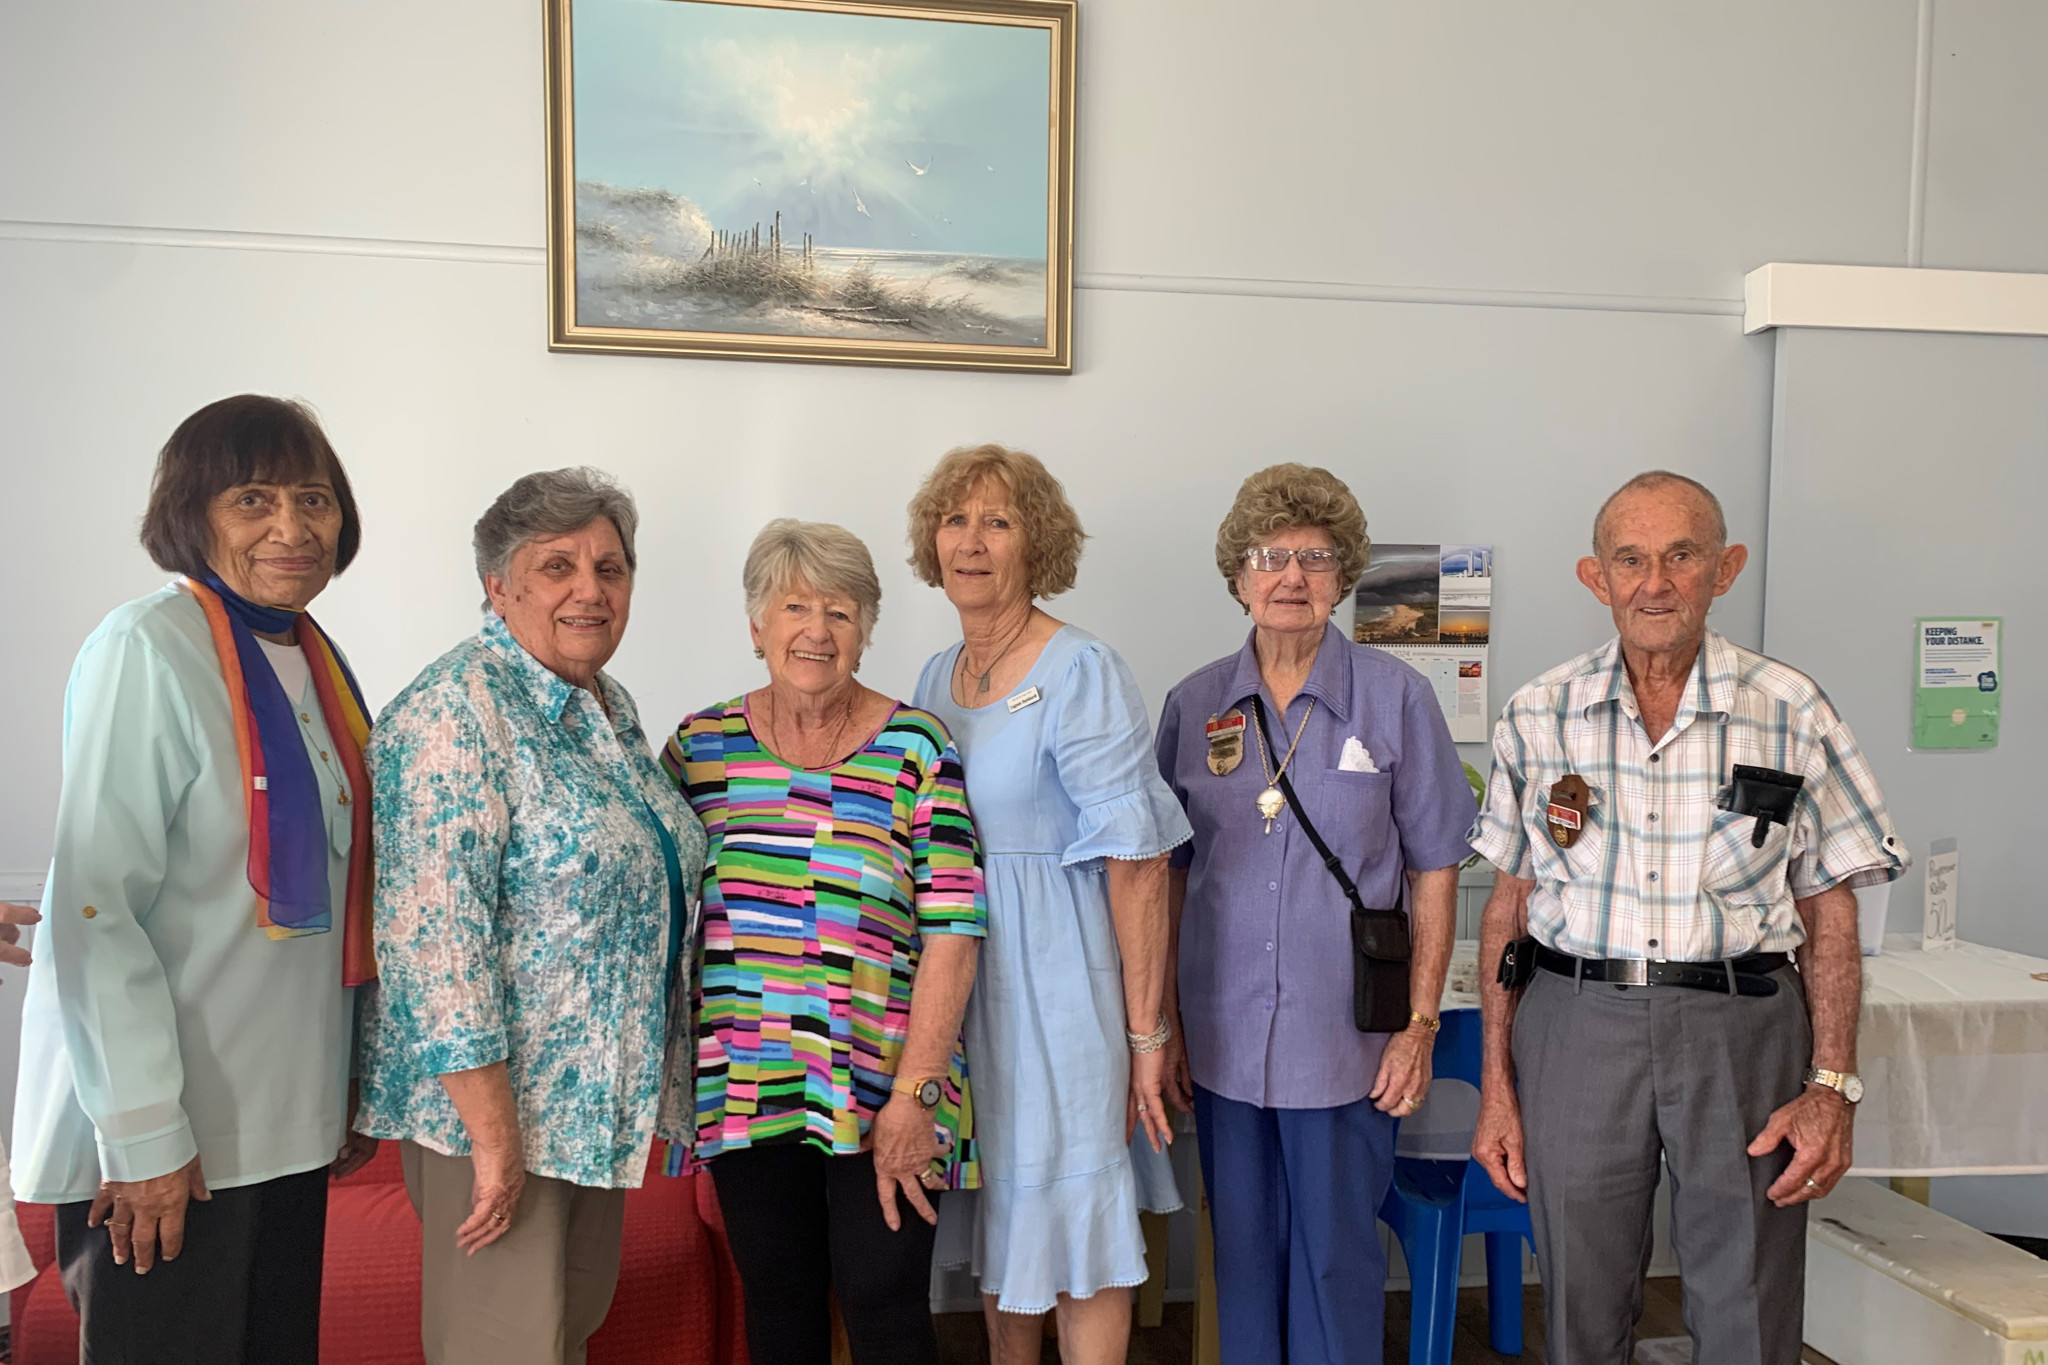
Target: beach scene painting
[{"x": 813, "y": 180}]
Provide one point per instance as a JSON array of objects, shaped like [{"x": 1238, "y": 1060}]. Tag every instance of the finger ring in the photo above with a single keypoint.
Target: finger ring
[
  {"x": 1812, "y": 1184},
  {"x": 498, "y": 1215},
  {"x": 1141, "y": 1108},
  {"x": 122, "y": 1227}
]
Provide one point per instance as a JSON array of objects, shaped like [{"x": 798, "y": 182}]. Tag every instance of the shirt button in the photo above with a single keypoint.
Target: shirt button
[
  {"x": 1653, "y": 876},
  {"x": 1269, "y": 945},
  {"x": 1272, "y": 886},
  {"x": 1656, "y": 758},
  {"x": 323, "y": 758},
  {"x": 1653, "y": 943},
  {"x": 306, "y": 718},
  {"x": 1653, "y": 814},
  {"x": 89, "y": 912}
]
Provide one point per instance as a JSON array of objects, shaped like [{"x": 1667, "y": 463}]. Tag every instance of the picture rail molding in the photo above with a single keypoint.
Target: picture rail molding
[{"x": 1336, "y": 291}]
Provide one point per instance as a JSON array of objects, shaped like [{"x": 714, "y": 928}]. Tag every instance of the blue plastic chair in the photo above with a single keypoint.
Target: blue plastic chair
[{"x": 1433, "y": 1204}]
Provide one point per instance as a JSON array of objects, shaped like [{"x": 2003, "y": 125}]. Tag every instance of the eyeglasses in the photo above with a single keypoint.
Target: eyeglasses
[{"x": 1272, "y": 559}]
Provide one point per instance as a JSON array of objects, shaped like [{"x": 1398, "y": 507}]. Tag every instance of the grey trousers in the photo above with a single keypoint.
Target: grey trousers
[
  {"x": 534, "y": 1296},
  {"x": 1610, "y": 1078}
]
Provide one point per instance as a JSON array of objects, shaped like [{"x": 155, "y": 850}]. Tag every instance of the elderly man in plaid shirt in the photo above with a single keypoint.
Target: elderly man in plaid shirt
[{"x": 1675, "y": 820}]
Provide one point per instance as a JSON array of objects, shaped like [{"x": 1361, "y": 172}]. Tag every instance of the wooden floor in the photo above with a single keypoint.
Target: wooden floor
[{"x": 962, "y": 1342}]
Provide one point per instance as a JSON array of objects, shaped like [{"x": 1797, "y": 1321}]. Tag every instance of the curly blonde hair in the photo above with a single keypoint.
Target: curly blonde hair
[
  {"x": 1052, "y": 533},
  {"x": 1288, "y": 495}
]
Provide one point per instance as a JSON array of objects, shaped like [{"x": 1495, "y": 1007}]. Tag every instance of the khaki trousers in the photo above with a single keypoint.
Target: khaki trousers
[{"x": 534, "y": 1296}]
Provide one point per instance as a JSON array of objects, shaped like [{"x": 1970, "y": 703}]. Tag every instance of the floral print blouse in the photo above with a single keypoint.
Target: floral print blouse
[{"x": 536, "y": 904}]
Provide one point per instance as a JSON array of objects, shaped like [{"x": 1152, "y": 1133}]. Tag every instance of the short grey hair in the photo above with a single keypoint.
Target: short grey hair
[
  {"x": 1648, "y": 482},
  {"x": 828, "y": 559},
  {"x": 552, "y": 502}
]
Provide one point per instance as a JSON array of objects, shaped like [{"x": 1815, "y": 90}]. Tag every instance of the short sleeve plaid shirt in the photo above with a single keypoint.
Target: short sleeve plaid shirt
[{"x": 1659, "y": 870}]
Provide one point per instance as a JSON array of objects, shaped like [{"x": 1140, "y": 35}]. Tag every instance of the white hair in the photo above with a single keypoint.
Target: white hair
[{"x": 828, "y": 559}]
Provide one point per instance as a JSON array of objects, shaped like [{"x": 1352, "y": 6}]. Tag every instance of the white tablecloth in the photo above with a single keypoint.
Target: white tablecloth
[{"x": 1953, "y": 1050}]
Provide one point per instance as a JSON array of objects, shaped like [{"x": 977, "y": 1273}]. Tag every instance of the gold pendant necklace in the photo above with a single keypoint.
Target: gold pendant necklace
[{"x": 1271, "y": 801}]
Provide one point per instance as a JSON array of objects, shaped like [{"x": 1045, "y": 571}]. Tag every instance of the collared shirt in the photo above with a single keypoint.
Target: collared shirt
[
  {"x": 1659, "y": 870},
  {"x": 524, "y": 911},
  {"x": 161, "y": 1022},
  {"x": 1265, "y": 932}
]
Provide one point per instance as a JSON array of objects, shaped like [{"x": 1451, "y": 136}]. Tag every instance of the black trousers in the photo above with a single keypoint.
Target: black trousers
[
  {"x": 245, "y": 1291},
  {"x": 801, "y": 1223}
]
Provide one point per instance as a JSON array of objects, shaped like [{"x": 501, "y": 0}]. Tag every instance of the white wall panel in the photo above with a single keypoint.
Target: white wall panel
[
  {"x": 1987, "y": 165},
  {"x": 345, "y": 117},
  {"x": 1588, "y": 145},
  {"x": 1592, "y": 146}
]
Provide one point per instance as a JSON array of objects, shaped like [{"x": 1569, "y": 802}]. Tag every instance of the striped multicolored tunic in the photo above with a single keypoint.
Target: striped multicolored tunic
[{"x": 818, "y": 891}]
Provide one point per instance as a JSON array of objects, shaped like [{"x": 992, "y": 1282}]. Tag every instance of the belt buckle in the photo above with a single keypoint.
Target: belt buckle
[{"x": 1628, "y": 971}]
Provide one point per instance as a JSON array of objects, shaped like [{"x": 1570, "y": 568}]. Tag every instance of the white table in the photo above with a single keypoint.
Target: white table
[{"x": 1953, "y": 1050}]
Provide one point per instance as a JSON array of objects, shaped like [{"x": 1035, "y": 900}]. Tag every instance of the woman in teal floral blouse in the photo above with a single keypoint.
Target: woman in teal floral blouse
[{"x": 536, "y": 895}]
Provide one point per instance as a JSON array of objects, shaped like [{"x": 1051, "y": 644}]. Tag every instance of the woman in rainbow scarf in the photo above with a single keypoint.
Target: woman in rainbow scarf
[{"x": 185, "y": 1042}]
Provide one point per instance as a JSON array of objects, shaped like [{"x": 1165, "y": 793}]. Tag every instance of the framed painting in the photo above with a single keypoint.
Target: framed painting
[{"x": 819, "y": 180}]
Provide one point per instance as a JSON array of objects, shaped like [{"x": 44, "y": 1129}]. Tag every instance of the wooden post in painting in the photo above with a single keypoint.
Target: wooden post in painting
[{"x": 778, "y": 234}]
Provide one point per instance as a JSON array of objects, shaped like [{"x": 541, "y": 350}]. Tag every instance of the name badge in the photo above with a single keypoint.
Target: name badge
[{"x": 1029, "y": 696}]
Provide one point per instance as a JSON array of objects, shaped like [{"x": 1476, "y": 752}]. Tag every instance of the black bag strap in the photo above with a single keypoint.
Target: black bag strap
[{"x": 1301, "y": 813}]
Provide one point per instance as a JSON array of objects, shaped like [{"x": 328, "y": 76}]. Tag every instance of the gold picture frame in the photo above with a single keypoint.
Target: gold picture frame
[{"x": 835, "y": 252}]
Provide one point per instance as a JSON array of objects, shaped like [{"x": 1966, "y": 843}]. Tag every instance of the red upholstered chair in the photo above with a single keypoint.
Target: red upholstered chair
[{"x": 677, "y": 1303}]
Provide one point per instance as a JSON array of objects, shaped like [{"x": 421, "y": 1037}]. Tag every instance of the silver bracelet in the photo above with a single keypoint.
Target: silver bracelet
[{"x": 1142, "y": 1043}]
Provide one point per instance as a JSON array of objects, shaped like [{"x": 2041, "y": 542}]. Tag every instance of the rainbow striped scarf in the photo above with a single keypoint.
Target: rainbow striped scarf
[{"x": 287, "y": 825}]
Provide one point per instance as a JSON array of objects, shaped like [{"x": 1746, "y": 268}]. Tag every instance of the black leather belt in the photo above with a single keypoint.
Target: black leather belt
[{"x": 1731, "y": 976}]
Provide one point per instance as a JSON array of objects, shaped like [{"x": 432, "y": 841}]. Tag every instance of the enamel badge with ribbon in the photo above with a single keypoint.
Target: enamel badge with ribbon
[
  {"x": 1565, "y": 809},
  {"x": 1226, "y": 742}
]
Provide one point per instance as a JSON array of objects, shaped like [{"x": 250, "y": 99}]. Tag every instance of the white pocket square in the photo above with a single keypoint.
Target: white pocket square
[{"x": 1355, "y": 758}]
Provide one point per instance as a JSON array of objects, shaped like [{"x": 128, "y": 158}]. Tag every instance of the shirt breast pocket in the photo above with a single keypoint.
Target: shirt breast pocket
[
  {"x": 1561, "y": 867},
  {"x": 1734, "y": 871},
  {"x": 1362, "y": 809}
]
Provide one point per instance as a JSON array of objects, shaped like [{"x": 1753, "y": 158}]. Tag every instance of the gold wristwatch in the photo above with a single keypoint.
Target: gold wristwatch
[
  {"x": 1847, "y": 1084},
  {"x": 926, "y": 1090}
]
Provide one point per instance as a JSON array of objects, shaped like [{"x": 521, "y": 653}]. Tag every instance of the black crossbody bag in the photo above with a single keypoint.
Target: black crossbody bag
[{"x": 1380, "y": 946}]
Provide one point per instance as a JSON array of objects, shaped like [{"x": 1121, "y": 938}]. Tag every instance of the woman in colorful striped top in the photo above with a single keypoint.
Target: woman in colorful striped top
[{"x": 843, "y": 913}]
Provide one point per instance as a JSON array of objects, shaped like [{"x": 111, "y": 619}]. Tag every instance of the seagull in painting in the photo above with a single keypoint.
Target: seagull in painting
[
  {"x": 921, "y": 170},
  {"x": 991, "y": 170},
  {"x": 859, "y": 207},
  {"x": 757, "y": 181},
  {"x": 944, "y": 219}
]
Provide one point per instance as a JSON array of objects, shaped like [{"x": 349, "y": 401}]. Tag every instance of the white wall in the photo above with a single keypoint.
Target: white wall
[{"x": 1482, "y": 259}]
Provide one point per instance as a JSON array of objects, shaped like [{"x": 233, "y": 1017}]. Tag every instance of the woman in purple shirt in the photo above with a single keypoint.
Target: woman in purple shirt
[{"x": 1294, "y": 1107}]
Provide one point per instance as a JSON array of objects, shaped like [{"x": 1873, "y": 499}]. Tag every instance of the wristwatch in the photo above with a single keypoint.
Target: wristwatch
[
  {"x": 1847, "y": 1084},
  {"x": 926, "y": 1092}
]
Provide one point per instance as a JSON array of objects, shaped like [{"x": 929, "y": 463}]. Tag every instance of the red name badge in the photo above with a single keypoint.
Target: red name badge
[
  {"x": 1562, "y": 815},
  {"x": 1230, "y": 724}
]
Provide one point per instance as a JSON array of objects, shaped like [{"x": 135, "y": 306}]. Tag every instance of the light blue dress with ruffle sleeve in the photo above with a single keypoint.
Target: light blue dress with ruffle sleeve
[{"x": 1058, "y": 785}]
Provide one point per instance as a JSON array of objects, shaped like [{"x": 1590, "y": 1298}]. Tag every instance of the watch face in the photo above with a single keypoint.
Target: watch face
[
  {"x": 928, "y": 1094},
  {"x": 1852, "y": 1089}
]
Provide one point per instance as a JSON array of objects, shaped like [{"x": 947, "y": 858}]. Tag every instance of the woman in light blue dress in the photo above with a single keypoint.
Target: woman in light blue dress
[{"x": 1065, "y": 1027}]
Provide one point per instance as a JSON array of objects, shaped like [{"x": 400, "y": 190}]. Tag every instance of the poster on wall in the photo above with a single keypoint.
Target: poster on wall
[
  {"x": 1958, "y": 682},
  {"x": 1431, "y": 606},
  {"x": 825, "y": 180}
]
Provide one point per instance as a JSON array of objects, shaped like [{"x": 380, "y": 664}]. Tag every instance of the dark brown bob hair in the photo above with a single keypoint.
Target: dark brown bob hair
[{"x": 250, "y": 438}]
